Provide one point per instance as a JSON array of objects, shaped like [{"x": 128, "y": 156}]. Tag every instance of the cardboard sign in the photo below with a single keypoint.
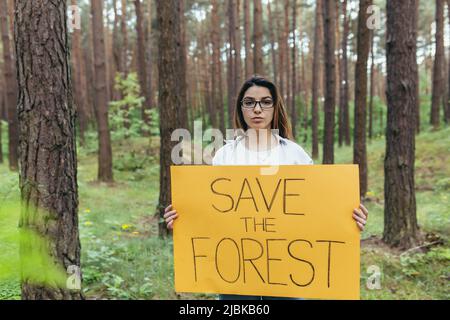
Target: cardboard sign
[{"x": 290, "y": 234}]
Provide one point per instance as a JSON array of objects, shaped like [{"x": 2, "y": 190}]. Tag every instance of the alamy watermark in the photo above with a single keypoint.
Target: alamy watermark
[
  {"x": 374, "y": 20},
  {"x": 190, "y": 149},
  {"x": 74, "y": 18},
  {"x": 374, "y": 280},
  {"x": 74, "y": 279}
]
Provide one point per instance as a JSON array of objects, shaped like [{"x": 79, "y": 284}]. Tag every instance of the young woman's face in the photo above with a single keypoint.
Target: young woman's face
[{"x": 260, "y": 116}]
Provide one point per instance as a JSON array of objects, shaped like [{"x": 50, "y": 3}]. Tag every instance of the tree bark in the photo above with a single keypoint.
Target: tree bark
[
  {"x": 294, "y": 69},
  {"x": 169, "y": 96},
  {"x": 438, "y": 77},
  {"x": 237, "y": 55},
  {"x": 344, "y": 85},
  {"x": 105, "y": 173},
  {"x": 124, "y": 31},
  {"x": 248, "y": 40},
  {"x": 372, "y": 86},
  {"x": 338, "y": 70},
  {"x": 359, "y": 135},
  {"x": 258, "y": 37},
  {"x": 78, "y": 89},
  {"x": 109, "y": 60},
  {"x": 148, "y": 52},
  {"x": 231, "y": 70},
  {"x": 286, "y": 57},
  {"x": 447, "y": 114},
  {"x": 400, "y": 222},
  {"x": 48, "y": 164},
  {"x": 117, "y": 54},
  {"x": 330, "y": 76},
  {"x": 272, "y": 42},
  {"x": 281, "y": 51},
  {"x": 2, "y": 104},
  {"x": 447, "y": 102},
  {"x": 217, "y": 69},
  {"x": 315, "y": 79},
  {"x": 418, "y": 117},
  {"x": 183, "y": 61},
  {"x": 88, "y": 63},
  {"x": 142, "y": 65},
  {"x": 11, "y": 89},
  {"x": 304, "y": 87}
]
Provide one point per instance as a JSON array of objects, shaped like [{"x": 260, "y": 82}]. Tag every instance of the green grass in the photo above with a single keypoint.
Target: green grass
[{"x": 122, "y": 257}]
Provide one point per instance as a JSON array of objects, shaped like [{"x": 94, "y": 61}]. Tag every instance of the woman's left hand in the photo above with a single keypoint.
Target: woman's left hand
[{"x": 360, "y": 215}]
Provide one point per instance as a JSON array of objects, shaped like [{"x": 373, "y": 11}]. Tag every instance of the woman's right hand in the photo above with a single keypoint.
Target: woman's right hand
[{"x": 170, "y": 215}]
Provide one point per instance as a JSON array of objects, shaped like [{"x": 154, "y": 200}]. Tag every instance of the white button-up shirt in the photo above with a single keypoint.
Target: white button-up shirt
[{"x": 286, "y": 152}]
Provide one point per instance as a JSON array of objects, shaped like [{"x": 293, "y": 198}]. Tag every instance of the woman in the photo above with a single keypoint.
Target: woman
[{"x": 260, "y": 108}]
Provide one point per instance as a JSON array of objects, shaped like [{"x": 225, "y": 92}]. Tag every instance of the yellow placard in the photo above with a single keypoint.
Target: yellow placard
[{"x": 289, "y": 234}]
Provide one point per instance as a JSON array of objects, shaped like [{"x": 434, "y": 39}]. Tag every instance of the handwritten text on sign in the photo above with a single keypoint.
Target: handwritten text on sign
[{"x": 290, "y": 234}]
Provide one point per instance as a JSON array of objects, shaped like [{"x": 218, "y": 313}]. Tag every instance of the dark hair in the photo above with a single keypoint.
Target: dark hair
[{"x": 280, "y": 119}]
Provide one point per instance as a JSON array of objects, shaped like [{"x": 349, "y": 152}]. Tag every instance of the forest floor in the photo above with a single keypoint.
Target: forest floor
[{"x": 123, "y": 258}]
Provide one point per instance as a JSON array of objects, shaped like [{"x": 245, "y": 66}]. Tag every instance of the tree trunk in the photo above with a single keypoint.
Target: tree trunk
[
  {"x": 294, "y": 69},
  {"x": 237, "y": 55},
  {"x": 117, "y": 54},
  {"x": 281, "y": 51},
  {"x": 142, "y": 65},
  {"x": 78, "y": 89},
  {"x": 447, "y": 114},
  {"x": 48, "y": 174},
  {"x": 304, "y": 88},
  {"x": 105, "y": 173},
  {"x": 2, "y": 104},
  {"x": 372, "y": 86},
  {"x": 286, "y": 56},
  {"x": 169, "y": 96},
  {"x": 11, "y": 20},
  {"x": 148, "y": 52},
  {"x": 417, "y": 111},
  {"x": 11, "y": 89},
  {"x": 272, "y": 42},
  {"x": 109, "y": 60},
  {"x": 345, "y": 80},
  {"x": 359, "y": 135},
  {"x": 330, "y": 76},
  {"x": 88, "y": 65},
  {"x": 182, "y": 109},
  {"x": 438, "y": 78},
  {"x": 344, "y": 131},
  {"x": 217, "y": 68},
  {"x": 315, "y": 80},
  {"x": 124, "y": 31},
  {"x": 248, "y": 40},
  {"x": 400, "y": 222},
  {"x": 231, "y": 70},
  {"x": 258, "y": 37},
  {"x": 338, "y": 71}
]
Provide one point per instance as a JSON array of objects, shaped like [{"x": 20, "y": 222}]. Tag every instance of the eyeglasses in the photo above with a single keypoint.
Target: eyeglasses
[{"x": 249, "y": 104}]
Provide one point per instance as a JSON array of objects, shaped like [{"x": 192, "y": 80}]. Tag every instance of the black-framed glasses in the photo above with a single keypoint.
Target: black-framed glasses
[{"x": 250, "y": 104}]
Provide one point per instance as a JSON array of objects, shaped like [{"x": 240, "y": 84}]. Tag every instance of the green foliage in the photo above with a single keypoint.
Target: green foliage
[
  {"x": 413, "y": 263},
  {"x": 407, "y": 276},
  {"x": 154, "y": 121},
  {"x": 130, "y": 162},
  {"x": 125, "y": 114},
  {"x": 10, "y": 290},
  {"x": 34, "y": 262}
]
